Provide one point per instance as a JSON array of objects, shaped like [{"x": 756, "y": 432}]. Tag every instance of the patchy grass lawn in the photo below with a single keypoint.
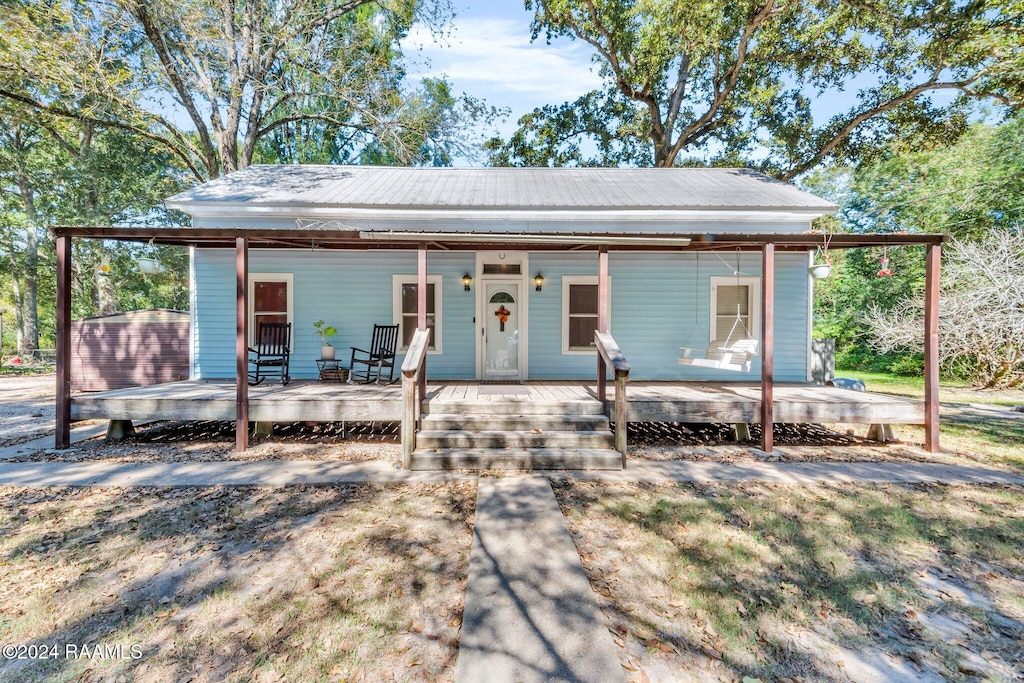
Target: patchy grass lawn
[
  {"x": 209, "y": 584},
  {"x": 807, "y": 584},
  {"x": 949, "y": 392},
  {"x": 967, "y": 429}
]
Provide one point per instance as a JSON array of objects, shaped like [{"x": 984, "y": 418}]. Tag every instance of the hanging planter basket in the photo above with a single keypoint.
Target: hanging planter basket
[
  {"x": 148, "y": 266},
  {"x": 820, "y": 271}
]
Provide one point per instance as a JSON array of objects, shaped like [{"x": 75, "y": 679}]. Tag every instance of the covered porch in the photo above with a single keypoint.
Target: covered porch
[{"x": 697, "y": 402}]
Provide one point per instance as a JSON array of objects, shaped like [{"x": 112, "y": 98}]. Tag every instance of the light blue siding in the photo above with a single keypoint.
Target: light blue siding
[
  {"x": 656, "y": 297},
  {"x": 351, "y": 290}
]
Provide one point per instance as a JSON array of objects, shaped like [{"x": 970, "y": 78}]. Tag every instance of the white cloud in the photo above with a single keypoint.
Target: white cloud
[{"x": 493, "y": 58}]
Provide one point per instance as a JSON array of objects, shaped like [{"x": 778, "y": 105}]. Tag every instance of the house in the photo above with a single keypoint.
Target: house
[
  {"x": 505, "y": 228},
  {"x": 508, "y": 274}
]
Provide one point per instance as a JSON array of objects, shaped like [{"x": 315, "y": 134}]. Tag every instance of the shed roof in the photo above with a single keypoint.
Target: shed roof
[
  {"x": 142, "y": 315},
  {"x": 504, "y": 189}
]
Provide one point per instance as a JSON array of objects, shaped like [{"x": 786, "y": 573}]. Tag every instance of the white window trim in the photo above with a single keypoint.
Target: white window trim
[
  {"x": 567, "y": 281},
  {"x": 396, "y": 308},
  {"x": 753, "y": 284},
  {"x": 270, "y": 277}
]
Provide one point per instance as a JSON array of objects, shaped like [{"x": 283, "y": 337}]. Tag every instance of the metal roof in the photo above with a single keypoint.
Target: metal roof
[{"x": 505, "y": 189}]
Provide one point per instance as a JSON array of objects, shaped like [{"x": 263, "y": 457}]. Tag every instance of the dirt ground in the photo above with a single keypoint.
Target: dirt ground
[
  {"x": 26, "y": 407},
  {"x": 339, "y": 583},
  {"x": 214, "y": 441},
  {"x": 771, "y": 583}
]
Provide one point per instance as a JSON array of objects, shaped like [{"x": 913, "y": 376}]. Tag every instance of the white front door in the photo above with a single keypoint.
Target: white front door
[{"x": 502, "y": 322}]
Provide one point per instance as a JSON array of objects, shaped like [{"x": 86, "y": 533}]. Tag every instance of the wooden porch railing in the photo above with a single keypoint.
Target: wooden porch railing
[
  {"x": 414, "y": 374},
  {"x": 609, "y": 355}
]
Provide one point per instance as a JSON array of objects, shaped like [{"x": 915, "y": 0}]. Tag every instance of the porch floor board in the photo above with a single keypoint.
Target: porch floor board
[{"x": 307, "y": 400}]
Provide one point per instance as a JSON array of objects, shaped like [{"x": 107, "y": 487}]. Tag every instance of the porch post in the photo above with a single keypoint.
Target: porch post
[
  {"x": 767, "y": 344},
  {"x": 602, "y": 318},
  {"x": 62, "y": 434},
  {"x": 421, "y": 319},
  {"x": 933, "y": 264},
  {"x": 241, "y": 343}
]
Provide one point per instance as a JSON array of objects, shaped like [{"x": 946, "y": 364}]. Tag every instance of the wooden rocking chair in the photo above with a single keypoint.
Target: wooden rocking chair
[
  {"x": 380, "y": 356},
  {"x": 270, "y": 356}
]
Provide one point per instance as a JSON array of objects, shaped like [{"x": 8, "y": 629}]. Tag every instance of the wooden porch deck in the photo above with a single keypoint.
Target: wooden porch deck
[{"x": 648, "y": 401}]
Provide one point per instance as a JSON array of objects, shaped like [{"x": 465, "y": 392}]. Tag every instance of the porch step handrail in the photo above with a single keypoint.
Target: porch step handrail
[
  {"x": 611, "y": 356},
  {"x": 414, "y": 373}
]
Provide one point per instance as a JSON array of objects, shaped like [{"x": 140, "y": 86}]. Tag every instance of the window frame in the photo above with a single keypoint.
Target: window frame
[
  {"x": 289, "y": 279},
  {"x": 753, "y": 284},
  {"x": 567, "y": 282},
  {"x": 397, "y": 280}
]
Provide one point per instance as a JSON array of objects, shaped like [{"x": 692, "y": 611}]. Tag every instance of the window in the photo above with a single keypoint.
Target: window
[
  {"x": 579, "y": 313},
  {"x": 405, "y": 297},
  {"x": 735, "y": 308},
  {"x": 270, "y": 301}
]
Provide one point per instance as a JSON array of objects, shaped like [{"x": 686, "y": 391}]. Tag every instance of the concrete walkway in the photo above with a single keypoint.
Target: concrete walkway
[
  {"x": 43, "y": 443},
  {"x": 531, "y": 615},
  {"x": 269, "y": 473},
  {"x": 289, "y": 472}
]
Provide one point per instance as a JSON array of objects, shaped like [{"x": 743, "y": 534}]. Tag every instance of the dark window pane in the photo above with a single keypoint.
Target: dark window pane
[
  {"x": 581, "y": 331},
  {"x": 583, "y": 299},
  {"x": 503, "y": 269},
  {"x": 259, "y": 319},
  {"x": 270, "y": 296},
  {"x": 409, "y": 329},
  {"x": 409, "y": 298}
]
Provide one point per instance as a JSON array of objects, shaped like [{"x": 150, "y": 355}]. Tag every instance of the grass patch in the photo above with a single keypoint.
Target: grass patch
[
  {"x": 949, "y": 391},
  {"x": 237, "y": 584},
  {"x": 980, "y": 436},
  {"x": 813, "y": 583}
]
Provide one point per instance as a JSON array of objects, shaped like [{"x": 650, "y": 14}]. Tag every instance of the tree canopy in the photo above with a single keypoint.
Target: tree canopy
[
  {"x": 212, "y": 81},
  {"x": 738, "y": 82}
]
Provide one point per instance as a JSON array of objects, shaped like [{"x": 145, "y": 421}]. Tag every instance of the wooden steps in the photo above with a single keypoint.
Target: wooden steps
[
  {"x": 517, "y": 459},
  {"x": 515, "y": 434},
  {"x": 545, "y": 423},
  {"x": 451, "y": 438}
]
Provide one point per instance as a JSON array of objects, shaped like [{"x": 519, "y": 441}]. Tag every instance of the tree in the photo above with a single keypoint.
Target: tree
[
  {"x": 981, "y": 313},
  {"x": 59, "y": 172},
  {"x": 735, "y": 80},
  {"x": 210, "y": 80},
  {"x": 967, "y": 189}
]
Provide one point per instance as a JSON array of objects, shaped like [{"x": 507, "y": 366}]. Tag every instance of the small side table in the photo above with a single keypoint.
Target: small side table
[{"x": 331, "y": 371}]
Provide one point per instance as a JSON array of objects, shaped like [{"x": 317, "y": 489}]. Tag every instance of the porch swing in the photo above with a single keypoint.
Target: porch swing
[{"x": 733, "y": 353}]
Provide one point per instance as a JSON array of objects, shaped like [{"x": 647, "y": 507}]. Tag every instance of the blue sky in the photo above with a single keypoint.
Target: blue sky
[{"x": 487, "y": 54}]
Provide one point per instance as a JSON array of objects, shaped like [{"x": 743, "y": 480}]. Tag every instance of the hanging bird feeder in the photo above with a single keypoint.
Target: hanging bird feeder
[
  {"x": 885, "y": 270},
  {"x": 104, "y": 267}
]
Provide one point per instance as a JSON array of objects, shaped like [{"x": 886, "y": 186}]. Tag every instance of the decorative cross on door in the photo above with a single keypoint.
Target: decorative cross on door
[{"x": 502, "y": 313}]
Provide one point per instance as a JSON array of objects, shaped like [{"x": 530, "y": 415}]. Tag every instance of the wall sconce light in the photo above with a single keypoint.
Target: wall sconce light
[
  {"x": 466, "y": 281},
  {"x": 104, "y": 266},
  {"x": 539, "y": 281}
]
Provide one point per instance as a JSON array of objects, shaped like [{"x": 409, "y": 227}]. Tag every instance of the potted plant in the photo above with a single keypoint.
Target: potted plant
[
  {"x": 326, "y": 332},
  {"x": 821, "y": 270}
]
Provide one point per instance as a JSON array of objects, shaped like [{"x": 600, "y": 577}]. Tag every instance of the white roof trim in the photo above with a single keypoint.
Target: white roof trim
[{"x": 520, "y": 238}]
